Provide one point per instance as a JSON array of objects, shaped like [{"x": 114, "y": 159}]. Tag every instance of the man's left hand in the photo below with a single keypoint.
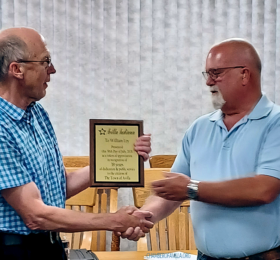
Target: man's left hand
[
  {"x": 143, "y": 146},
  {"x": 173, "y": 187},
  {"x": 135, "y": 233}
]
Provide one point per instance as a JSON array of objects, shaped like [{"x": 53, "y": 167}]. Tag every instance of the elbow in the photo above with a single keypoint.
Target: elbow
[
  {"x": 266, "y": 198},
  {"x": 269, "y": 199},
  {"x": 34, "y": 220}
]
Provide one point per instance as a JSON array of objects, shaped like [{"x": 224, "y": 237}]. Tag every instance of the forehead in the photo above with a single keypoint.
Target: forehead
[
  {"x": 38, "y": 48},
  {"x": 217, "y": 58}
]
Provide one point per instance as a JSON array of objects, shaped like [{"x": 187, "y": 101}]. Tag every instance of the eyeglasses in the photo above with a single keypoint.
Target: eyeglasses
[
  {"x": 48, "y": 61},
  {"x": 215, "y": 73}
]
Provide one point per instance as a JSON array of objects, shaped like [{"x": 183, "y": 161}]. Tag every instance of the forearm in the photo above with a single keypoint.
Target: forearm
[
  {"x": 63, "y": 220},
  {"x": 27, "y": 202},
  {"x": 160, "y": 207},
  {"x": 77, "y": 181},
  {"x": 250, "y": 191}
]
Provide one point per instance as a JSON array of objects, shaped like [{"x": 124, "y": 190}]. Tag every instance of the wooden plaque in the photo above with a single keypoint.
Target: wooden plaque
[{"x": 113, "y": 161}]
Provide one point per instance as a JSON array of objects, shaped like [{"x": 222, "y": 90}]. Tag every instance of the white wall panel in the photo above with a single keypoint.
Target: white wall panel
[
  {"x": 98, "y": 74},
  {"x": 146, "y": 64},
  {"x": 7, "y": 14},
  {"x": 269, "y": 48},
  {"x": 33, "y": 12},
  {"x": 20, "y": 12},
  {"x": 121, "y": 86}
]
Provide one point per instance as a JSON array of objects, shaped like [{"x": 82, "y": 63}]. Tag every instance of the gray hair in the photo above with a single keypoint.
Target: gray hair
[{"x": 12, "y": 48}]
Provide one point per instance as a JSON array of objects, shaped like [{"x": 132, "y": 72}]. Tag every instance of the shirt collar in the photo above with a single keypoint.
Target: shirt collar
[
  {"x": 262, "y": 109},
  {"x": 216, "y": 115},
  {"x": 13, "y": 111}
]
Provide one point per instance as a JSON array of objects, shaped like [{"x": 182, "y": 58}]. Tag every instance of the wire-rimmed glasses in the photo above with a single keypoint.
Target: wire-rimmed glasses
[{"x": 214, "y": 73}]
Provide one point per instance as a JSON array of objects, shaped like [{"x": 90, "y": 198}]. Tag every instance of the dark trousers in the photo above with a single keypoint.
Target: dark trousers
[{"x": 31, "y": 247}]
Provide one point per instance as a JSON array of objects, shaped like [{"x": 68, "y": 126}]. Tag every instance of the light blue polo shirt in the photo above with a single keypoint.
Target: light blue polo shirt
[{"x": 212, "y": 153}]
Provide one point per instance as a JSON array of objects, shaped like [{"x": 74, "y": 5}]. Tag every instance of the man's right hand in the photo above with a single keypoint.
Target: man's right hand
[
  {"x": 131, "y": 217},
  {"x": 134, "y": 233}
]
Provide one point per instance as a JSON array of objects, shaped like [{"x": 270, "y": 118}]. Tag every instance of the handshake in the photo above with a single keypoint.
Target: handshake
[{"x": 131, "y": 223}]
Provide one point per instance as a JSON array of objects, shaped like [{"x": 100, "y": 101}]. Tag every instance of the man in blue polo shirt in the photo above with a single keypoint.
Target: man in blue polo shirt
[
  {"x": 33, "y": 183},
  {"x": 229, "y": 163}
]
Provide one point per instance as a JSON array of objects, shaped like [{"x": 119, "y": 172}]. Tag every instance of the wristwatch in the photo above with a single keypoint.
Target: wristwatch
[{"x": 192, "y": 190}]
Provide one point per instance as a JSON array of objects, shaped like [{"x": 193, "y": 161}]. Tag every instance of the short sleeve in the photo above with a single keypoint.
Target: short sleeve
[
  {"x": 182, "y": 162},
  {"x": 12, "y": 170},
  {"x": 269, "y": 157}
]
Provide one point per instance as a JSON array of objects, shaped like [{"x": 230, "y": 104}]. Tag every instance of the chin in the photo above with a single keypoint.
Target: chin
[
  {"x": 218, "y": 101},
  {"x": 217, "y": 105},
  {"x": 39, "y": 97}
]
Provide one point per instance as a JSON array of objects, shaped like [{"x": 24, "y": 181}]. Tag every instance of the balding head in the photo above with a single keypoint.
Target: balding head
[
  {"x": 234, "y": 67},
  {"x": 237, "y": 52},
  {"x": 16, "y": 44}
]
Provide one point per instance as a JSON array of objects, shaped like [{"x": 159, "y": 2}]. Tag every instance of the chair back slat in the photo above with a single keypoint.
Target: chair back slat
[
  {"x": 142, "y": 244},
  {"x": 171, "y": 220},
  {"x": 94, "y": 240},
  {"x": 102, "y": 239},
  {"x": 187, "y": 225},
  {"x": 115, "y": 244},
  {"x": 192, "y": 245},
  {"x": 77, "y": 236},
  {"x": 153, "y": 238},
  {"x": 162, "y": 234},
  {"x": 182, "y": 231}
]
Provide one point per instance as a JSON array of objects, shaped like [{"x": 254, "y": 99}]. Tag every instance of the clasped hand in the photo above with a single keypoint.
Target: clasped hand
[{"x": 135, "y": 231}]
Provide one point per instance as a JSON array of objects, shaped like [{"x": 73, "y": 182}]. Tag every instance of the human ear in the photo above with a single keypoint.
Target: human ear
[
  {"x": 245, "y": 76},
  {"x": 16, "y": 70}
]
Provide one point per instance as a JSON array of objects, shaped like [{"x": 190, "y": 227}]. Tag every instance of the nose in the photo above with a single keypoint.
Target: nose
[
  {"x": 210, "y": 81},
  {"x": 51, "y": 69}
]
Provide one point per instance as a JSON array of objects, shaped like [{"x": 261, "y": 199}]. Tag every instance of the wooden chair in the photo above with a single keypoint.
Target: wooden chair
[
  {"x": 172, "y": 233},
  {"x": 84, "y": 201},
  {"x": 98, "y": 200},
  {"x": 162, "y": 161}
]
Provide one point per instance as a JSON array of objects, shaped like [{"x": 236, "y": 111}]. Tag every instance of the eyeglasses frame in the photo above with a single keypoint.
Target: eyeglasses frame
[
  {"x": 49, "y": 61},
  {"x": 206, "y": 74}
]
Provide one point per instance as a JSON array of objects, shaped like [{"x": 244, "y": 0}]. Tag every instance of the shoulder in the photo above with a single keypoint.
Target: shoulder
[
  {"x": 203, "y": 123},
  {"x": 6, "y": 126},
  {"x": 275, "y": 111},
  {"x": 274, "y": 117}
]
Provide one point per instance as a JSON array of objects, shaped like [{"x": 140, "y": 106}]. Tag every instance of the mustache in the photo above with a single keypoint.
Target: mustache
[{"x": 214, "y": 88}]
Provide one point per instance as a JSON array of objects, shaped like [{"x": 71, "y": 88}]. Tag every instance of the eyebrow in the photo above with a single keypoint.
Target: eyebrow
[{"x": 47, "y": 56}]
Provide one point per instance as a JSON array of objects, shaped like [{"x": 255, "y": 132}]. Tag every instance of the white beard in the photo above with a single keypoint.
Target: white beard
[{"x": 217, "y": 98}]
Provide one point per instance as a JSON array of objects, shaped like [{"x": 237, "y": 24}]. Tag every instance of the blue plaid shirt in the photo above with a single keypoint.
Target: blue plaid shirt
[{"x": 28, "y": 152}]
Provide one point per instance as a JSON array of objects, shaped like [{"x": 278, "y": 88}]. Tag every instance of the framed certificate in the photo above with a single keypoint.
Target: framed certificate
[{"x": 113, "y": 161}]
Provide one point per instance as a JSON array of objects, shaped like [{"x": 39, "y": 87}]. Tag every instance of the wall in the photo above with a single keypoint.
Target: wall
[{"x": 132, "y": 59}]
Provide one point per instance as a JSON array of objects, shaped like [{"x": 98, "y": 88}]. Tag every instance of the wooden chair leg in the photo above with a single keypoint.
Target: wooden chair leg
[{"x": 115, "y": 244}]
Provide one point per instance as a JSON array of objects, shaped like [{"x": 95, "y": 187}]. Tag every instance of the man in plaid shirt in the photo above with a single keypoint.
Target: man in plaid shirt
[{"x": 33, "y": 183}]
